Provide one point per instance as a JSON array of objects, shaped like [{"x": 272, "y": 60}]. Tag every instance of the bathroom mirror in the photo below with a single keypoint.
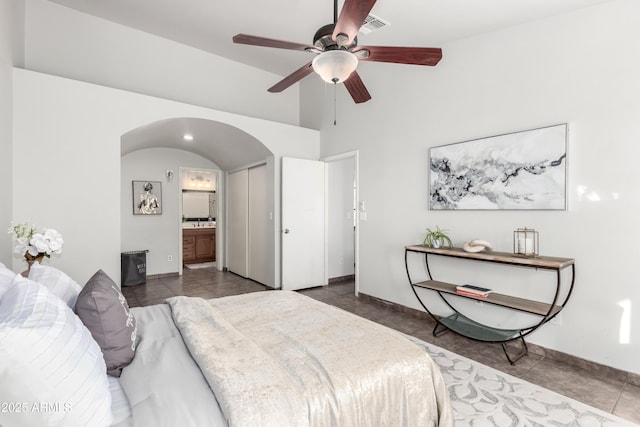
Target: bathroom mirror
[{"x": 198, "y": 205}]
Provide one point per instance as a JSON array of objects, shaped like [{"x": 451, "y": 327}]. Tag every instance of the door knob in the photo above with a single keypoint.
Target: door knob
[{"x": 286, "y": 231}]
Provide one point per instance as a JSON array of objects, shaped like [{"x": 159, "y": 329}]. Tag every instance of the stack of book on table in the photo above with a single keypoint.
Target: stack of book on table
[{"x": 473, "y": 291}]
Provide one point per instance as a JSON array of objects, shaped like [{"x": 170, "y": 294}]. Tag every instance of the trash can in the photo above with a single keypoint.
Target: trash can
[{"x": 133, "y": 267}]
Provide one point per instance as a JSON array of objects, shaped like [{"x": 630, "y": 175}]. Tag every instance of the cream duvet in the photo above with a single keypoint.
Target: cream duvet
[{"x": 278, "y": 358}]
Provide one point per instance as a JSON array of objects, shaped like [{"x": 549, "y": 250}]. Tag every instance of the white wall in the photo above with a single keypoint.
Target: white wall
[
  {"x": 6, "y": 63},
  {"x": 64, "y": 42},
  {"x": 67, "y": 161},
  {"x": 581, "y": 68},
  {"x": 11, "y": 51},
  {"x": 160, "y": 234}
]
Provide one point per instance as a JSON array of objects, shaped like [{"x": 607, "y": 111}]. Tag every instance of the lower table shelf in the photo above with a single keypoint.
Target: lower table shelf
[
  {"x": 471, "y": 329},
  {"x": 462, "y": 325}
]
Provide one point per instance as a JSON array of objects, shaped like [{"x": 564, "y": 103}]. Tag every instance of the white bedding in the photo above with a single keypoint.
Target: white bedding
[
  {"x": 163, "y": 384},
  {"x": 120, "y": 408},
  {"x": 277, "y": 358}
]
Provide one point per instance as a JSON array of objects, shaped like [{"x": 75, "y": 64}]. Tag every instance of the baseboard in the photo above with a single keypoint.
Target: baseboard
[
  {"x": 160, "y": 276},
  {"x": 597, "y": 369},
  {"x": 342, "y": 279},
  {"x": 395, "y": 306}
]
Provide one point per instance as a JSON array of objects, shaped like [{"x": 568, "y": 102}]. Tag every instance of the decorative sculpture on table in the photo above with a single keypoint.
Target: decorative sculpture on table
[{"x": 477, "y": 246}]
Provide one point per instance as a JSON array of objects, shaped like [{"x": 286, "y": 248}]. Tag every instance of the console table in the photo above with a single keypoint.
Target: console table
[{"x": 464, "y": 325}]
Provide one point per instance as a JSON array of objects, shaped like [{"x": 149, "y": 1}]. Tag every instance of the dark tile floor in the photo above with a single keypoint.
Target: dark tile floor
[{"x": 606, "y": 393}]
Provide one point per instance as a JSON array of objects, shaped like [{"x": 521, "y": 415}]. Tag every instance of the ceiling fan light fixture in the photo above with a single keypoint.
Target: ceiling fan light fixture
[{"x": 335, "y": 66}]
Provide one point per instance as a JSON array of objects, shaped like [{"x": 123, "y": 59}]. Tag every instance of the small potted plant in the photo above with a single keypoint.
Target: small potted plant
[{"x": 437, "y": 238}]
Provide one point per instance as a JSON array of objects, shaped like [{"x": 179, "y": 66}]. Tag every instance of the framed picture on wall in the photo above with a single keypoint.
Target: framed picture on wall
[
  {"x": 524, "y": 170},
  {"x": 147, "y": 197}
]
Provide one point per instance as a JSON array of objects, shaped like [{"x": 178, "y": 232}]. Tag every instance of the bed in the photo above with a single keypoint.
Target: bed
[{"x": 272, "y": 358}]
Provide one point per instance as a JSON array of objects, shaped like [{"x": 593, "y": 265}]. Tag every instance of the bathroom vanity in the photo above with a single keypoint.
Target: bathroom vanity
[{"x": 198, "y": 242}]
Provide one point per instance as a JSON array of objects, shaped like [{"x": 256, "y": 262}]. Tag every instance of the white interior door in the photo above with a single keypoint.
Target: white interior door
[
  {"x": 237, "y": 222},
  {"x": 303, "y": 222},
  {"x": 258, "y": 248}
]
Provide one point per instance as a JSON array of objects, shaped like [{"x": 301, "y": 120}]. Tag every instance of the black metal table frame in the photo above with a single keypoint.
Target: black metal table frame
[{"x": 522, "y": 332}]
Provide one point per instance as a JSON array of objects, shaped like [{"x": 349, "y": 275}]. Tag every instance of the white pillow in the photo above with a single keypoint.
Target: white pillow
[
  {"x": 6, "y": 279},
  {"x": 49, "y": 364},
  {"x": 57, "y": 282}
]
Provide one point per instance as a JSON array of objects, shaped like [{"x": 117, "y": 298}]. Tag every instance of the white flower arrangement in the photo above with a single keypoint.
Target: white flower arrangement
[{"x": 35, "y": 242}]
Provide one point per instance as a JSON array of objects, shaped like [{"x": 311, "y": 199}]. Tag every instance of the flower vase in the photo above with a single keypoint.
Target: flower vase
[{"x": 30, "y": 260}]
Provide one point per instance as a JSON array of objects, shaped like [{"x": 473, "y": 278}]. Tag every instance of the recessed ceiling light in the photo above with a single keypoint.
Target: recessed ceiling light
[{"x": 187, "y": 137}]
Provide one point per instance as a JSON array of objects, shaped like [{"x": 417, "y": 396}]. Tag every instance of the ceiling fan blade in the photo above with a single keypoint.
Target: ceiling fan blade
[
  {"x": 292, "y": 78},
  {"x": 351, "y": 18},
  {"x": 400, "y": 55},
  {"x": 356, "y": 88},
  {"x": 263, "y": 41}
]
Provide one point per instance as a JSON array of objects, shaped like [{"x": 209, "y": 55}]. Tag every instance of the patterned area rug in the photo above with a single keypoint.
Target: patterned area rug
[{"x": 483, "y": 396}]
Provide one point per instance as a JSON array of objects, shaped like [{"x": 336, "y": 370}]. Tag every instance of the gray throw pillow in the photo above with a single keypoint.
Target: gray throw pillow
[{"x": 105, "y": 312}]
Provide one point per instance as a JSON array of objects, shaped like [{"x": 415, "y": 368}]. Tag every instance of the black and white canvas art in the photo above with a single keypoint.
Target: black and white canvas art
[
  {"x": 522, "y": 170},
  {"x": 147, "y": 197}
]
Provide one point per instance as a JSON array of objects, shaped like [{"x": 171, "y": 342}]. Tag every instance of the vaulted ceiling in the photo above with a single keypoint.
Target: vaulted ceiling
[
  {"x": 227, "y": 146},
  {"x": 209, "y": 25}
]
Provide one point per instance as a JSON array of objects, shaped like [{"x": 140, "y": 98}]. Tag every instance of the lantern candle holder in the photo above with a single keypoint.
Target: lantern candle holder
[{"x": 525, "y": 242}]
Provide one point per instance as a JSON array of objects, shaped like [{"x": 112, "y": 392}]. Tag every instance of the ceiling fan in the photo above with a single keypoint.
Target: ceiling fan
[{"x": 338, "y": 53}]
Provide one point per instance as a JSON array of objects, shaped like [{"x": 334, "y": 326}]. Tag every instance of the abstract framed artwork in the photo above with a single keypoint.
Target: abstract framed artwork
[
  {"x": 524, "y": 170},
  {"x": 147, "y": 197}
]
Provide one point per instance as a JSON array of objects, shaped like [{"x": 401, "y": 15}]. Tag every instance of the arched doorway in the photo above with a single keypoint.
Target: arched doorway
[{"x": 159, "y": 151}]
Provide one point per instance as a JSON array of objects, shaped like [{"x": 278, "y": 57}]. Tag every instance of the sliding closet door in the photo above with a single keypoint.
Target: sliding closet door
[
  {"x": 237, "y": 222},
  {"x": 258, "y": 225}
]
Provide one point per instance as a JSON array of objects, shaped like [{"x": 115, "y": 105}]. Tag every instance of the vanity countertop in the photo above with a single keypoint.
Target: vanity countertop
[{"x": 194, "y": 225}]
